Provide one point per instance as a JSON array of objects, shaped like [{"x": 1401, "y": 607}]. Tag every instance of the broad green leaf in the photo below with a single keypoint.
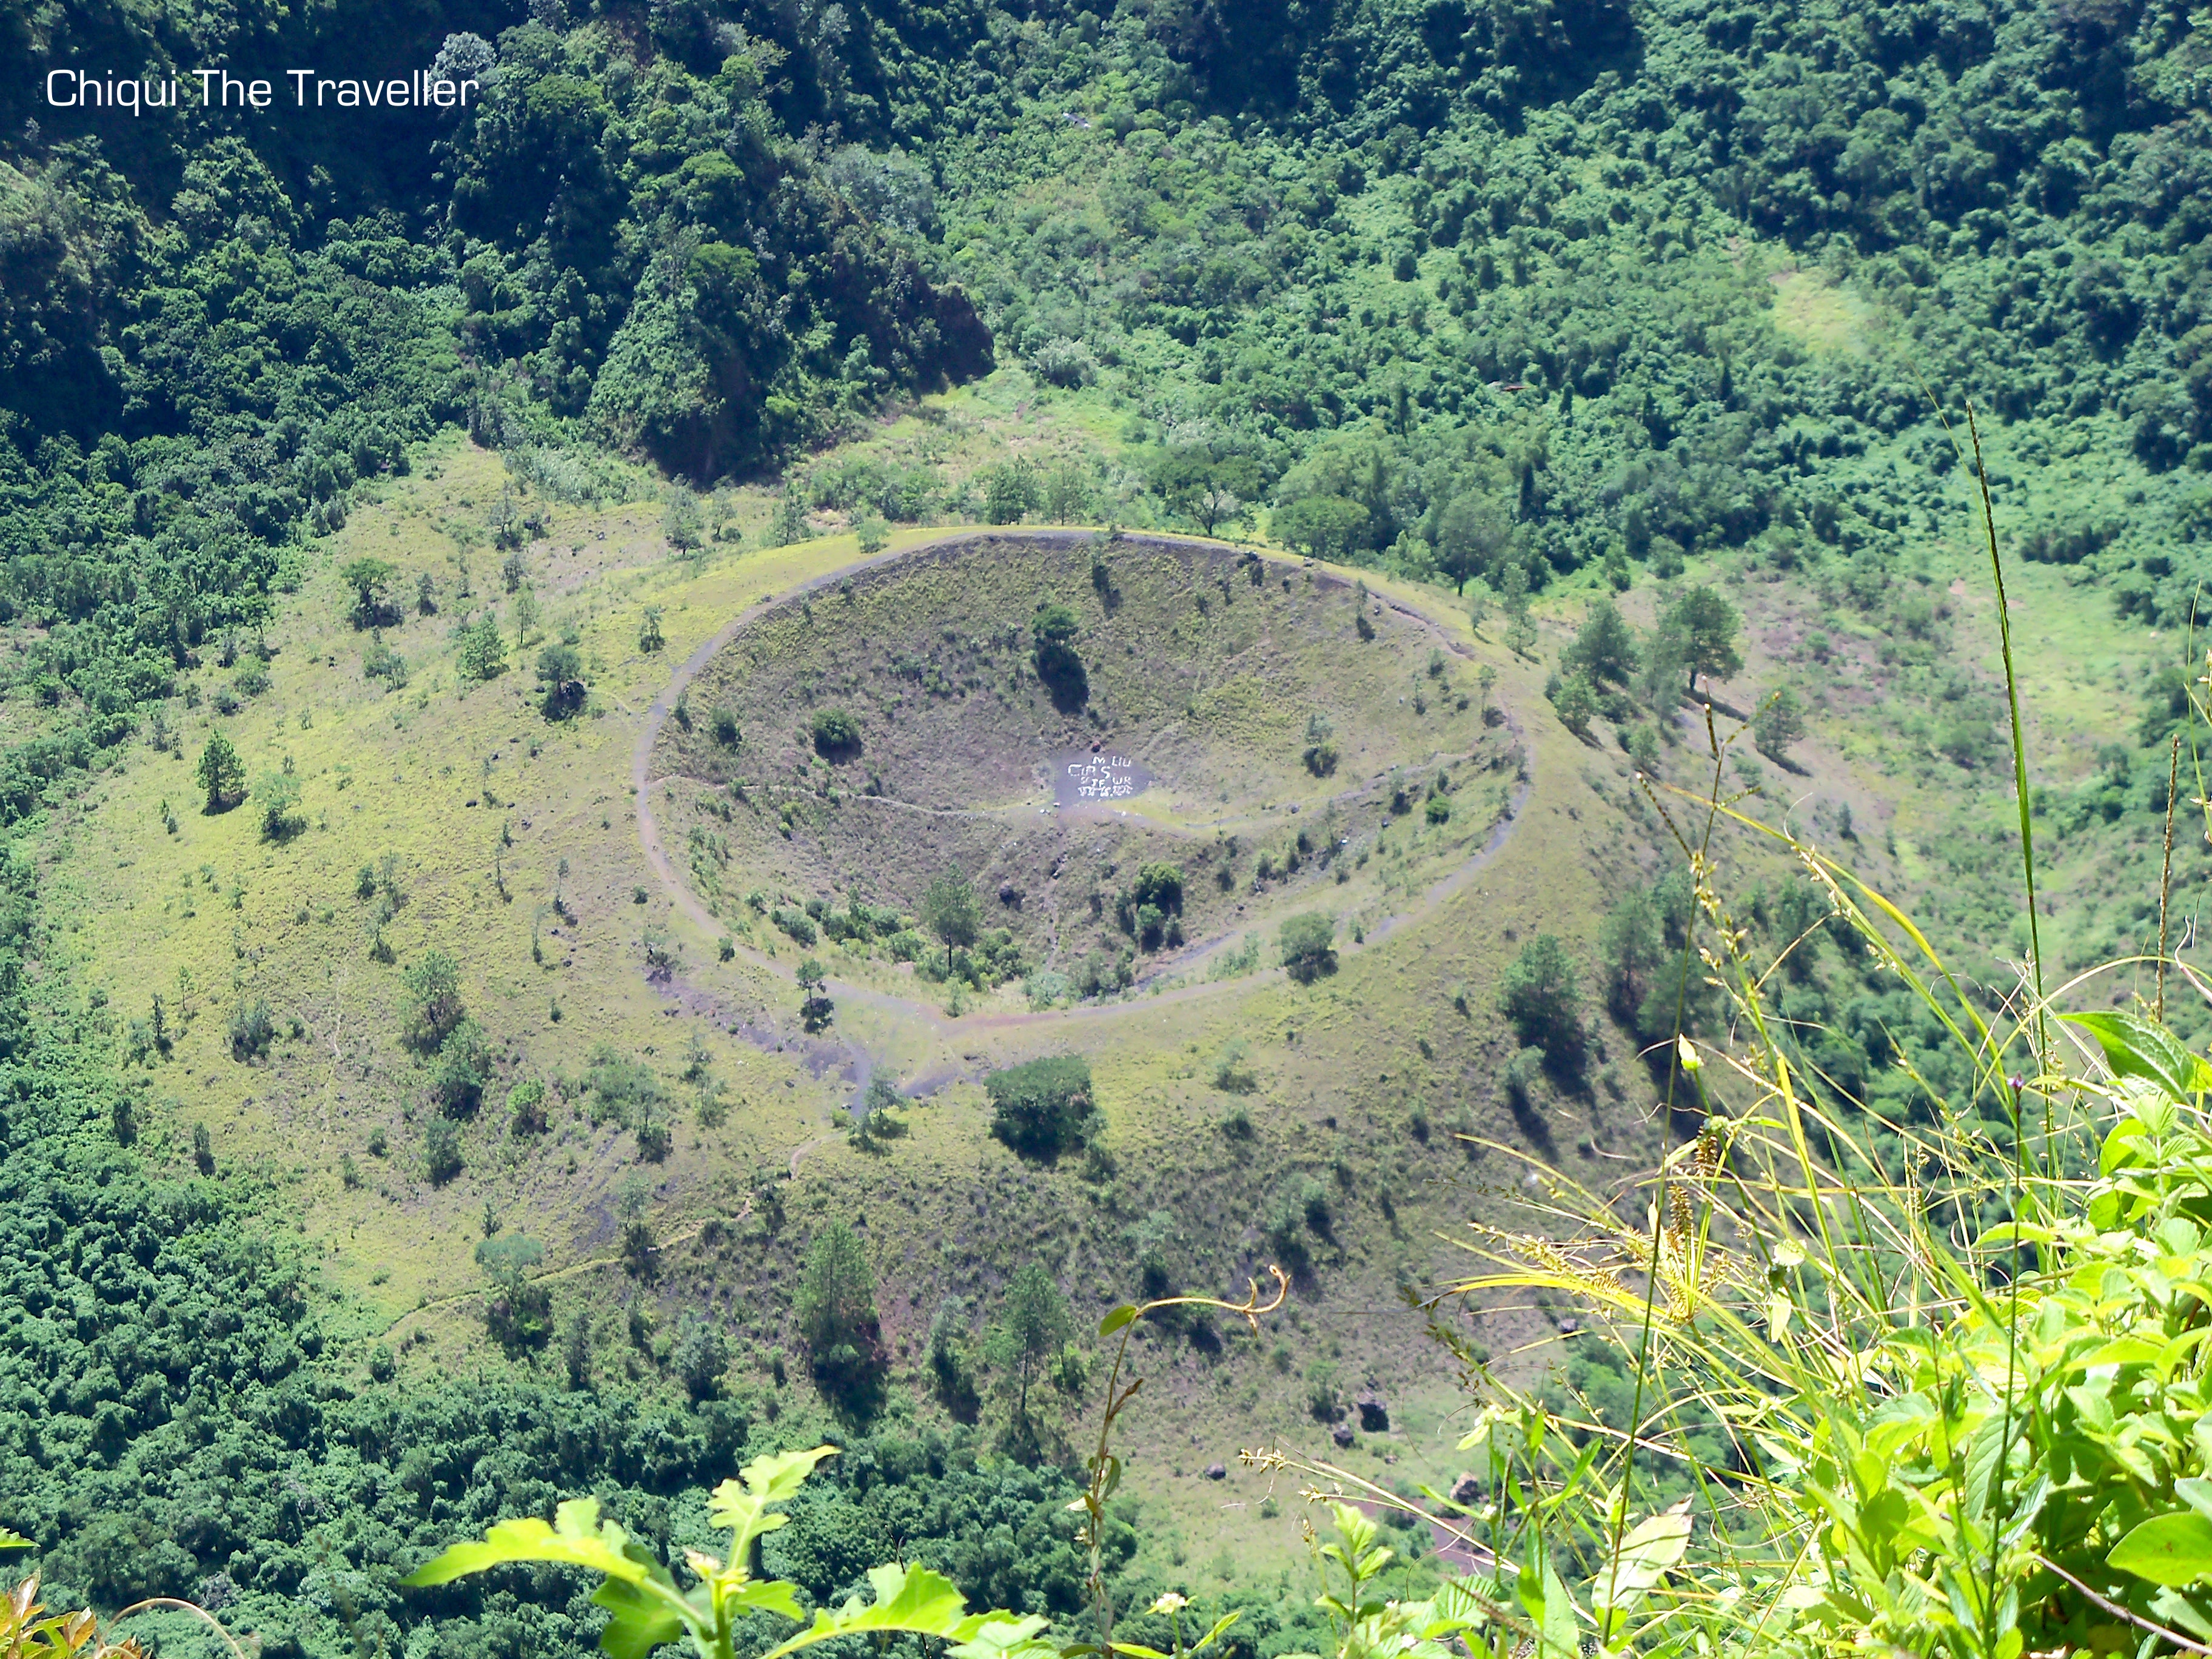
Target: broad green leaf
[
  {"x": 1454, "y": 1607},
  {"x": 1213, "y": 1635},
  {"x": 745, "y": 1508},
  {"x": 2124, "y": 1351},
  {"x": 2134, "y": 1047},
  {"x": 2172, "y": 1550},
  {"x": 1983, "y": 1472},
  {"x": 1559, "y": 1636},
  {"x": 2119, "y": 1149},
  {"x": 923, "y": 1602},
  {"x": 639, "y": 1620},
  {"x": 577, "y": 1537},
  {"x": 13, "y": 1540},
  {"x": 1117, "y": 1319},
  {"x": 2197, "y": 1493},
  {"x": 1357, "y": 1531},
  {"x": 1002, "y": 1636},
  {"x": 1651, "y": 1547},
  {"x": 767, "y": 1595}
]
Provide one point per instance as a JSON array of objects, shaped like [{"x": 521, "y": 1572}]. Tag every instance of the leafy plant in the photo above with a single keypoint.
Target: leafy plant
[{"x": 647, "y": 1608}]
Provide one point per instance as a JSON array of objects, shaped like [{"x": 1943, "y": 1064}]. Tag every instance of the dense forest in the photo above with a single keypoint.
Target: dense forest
[{"x": 1480, "y": 294}]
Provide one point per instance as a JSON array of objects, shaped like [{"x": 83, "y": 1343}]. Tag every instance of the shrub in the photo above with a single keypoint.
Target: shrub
[
  {"x": 681, "y": 524},
  {"x": 701, "y": 1354},
  {"x": 620, "y": 1087},
  {"x": 1287, "y": 1222},
  {"x": 1308, "y": 942},
  {"x": 1042, "y": 1107},
  {"x": 456, "y": 1077},
  {"x": 836, "y": 734},
  {"x": 442, "y": 1151},
  {"x": 797, "y": 924},
  {"x": 370, "y": 581},
  {"x": 1779, "y": 723},
  {"x": 526, "y": 1106},
  {"x": 835, "y": 1308},
  {"x": 221, "y": 774},
  {"x": 1160, "y": 884},
  {"x": 518, "y": 1314},
  {"x": 1540, "y": 993},
  {"x": 1320, "y": 753},
  {"x": 1576, "y": 700},
  {"x": 252, "y": 1030},
  {"x": 1521, "y": 1074},
  {"x": 560, "y": 682},
  {"x": 278, "y": 794},
  {"x": 479, "y": 651},
  {"x": 433, "y": 997},
  {"x": 382, "y": 662},
  {"x": 1232, "y": 1072},
  {"x": 953, "y": 1373},
  {"x": 723, "y": 724}
]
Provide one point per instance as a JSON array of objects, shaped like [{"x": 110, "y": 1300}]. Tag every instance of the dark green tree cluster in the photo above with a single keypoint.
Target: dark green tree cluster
[{"x": 1043, "y": 1107}]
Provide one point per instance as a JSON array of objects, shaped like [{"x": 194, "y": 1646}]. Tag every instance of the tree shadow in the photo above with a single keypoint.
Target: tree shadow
[{"x": 1063, "y": 675}]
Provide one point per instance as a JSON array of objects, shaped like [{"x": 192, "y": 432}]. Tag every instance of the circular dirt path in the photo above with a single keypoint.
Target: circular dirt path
[{"x": 929, "y": 1013}]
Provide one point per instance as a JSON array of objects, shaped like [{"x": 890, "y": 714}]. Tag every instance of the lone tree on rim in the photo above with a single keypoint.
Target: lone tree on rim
[{"x": 949, "y": 910}]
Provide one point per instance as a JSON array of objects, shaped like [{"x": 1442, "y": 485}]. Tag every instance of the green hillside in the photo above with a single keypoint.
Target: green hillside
[{"x": 693, "y": 762}]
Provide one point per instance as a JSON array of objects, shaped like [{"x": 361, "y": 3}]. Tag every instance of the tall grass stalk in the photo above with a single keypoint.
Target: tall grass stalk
[{"x": 1896, "y": 1387}]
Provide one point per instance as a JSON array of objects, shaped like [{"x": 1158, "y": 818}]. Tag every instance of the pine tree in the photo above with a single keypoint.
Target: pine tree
[{"x": 222, "y": 774}]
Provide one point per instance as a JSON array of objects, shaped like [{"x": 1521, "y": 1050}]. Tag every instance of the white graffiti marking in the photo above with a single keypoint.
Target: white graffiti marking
[{"x": 1102, "y": 777}]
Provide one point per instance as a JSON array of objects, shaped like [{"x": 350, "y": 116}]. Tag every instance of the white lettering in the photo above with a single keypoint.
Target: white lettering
[
  {"x": 300, "y": 78},
  {"x": 260, "y": 94},
  {"x": 348, "y": 94},
  {"x": 62, "y": 103},
  {"x": 467, "y": 87},
  {"x": 207, "y": 87},
  {"x": 442, "y": 95}
]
